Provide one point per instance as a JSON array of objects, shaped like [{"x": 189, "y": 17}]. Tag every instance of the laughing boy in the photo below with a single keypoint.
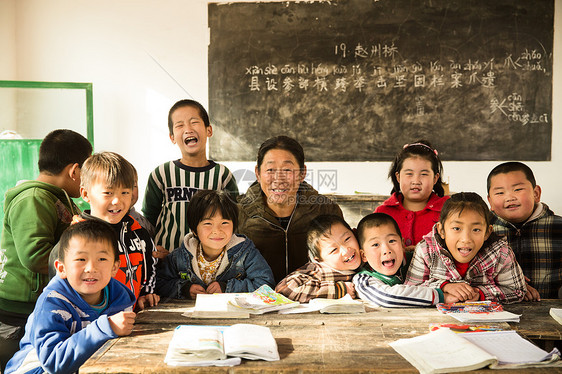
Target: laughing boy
[{"x": 172, "y": 184}]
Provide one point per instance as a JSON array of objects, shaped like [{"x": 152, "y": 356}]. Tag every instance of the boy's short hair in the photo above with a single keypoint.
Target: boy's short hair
[
  {"x": 110, "y": 167},
  {"x": 375, "y": 220},
  {"x": 187, "y": 102},
  {"x": 205, "y": 203},
  {"x": 92, "y": 230},
  {"x": 61, "y": 148},
  {"x": 508, "y": 167},
  {"x": 319, "y": 228}
]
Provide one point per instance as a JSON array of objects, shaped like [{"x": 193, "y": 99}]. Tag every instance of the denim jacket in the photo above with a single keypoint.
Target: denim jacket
[{"x": 243, "y": 269}]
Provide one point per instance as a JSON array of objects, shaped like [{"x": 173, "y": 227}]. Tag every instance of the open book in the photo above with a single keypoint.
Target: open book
[
  {"x": 217, "y": 305},
  {"x": 193, "y": 345},
  {"x": 443, "y": 351},
  {"x": 263, "y": 300},
  {"x": 344, "y": 305}
]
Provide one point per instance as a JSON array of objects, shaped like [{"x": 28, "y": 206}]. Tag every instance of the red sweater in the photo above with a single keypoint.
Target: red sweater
[{"x": 413, "y": 225}]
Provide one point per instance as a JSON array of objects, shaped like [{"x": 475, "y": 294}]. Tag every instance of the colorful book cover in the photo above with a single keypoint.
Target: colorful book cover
[
  {"x": 268, "y": 296},
  {"x": 264, "y": 300},
  {"x": 470, "y": 307},
  {"x": 462, "y": 328}
]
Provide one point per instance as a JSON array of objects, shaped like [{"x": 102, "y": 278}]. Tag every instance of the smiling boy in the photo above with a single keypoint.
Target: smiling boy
[
  {"x": 379, "y": 281},
  {"x": 334, "y": 256},
  {"x": 107, "y": 185},
  {"x": 81, "y": 308},
  {"x": 533, "y": 231},
  {"x": 172, "y": 184}
]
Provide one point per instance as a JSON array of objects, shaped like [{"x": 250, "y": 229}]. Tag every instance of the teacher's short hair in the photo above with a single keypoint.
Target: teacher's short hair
[{"x": 282, "y": 142}]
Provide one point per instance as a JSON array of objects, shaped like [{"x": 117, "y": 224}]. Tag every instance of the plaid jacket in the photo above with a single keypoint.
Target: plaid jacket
[
  {"x": 314, "y": 280},
  {"x": 494, "y": 270},
  {"x": 537, "y": 245}
]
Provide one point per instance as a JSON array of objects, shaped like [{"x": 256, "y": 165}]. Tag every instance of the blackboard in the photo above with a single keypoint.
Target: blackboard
[{"x": 355, "y": 80}]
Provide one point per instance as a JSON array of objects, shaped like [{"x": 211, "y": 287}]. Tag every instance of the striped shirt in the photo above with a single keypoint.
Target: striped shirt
[
  {"x": 170, "y": 187},
  {"x": 380, "y": 290}
]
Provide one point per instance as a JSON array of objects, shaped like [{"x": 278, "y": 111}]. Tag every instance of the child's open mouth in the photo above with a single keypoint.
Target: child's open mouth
[
  {"x": 349, "y": 259},
  {"x": 190, "y": 140},
  {"x": 388, "y": 263},
  {"x": 465, "y": 251}
]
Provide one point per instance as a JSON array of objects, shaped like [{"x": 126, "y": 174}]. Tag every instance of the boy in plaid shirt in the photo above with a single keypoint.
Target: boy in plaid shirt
[
  {"x": 334, "y": 257},
  {"x": 533, "y": 231}
]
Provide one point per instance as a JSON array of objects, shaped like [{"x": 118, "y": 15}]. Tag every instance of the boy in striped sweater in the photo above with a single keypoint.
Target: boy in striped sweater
[
  {"x": 172, "y": 184},
  {"x": 379, "y": 282}
]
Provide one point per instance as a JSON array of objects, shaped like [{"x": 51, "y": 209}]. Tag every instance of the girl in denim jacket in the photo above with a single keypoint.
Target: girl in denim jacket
[{"x": 212, "y": 259}]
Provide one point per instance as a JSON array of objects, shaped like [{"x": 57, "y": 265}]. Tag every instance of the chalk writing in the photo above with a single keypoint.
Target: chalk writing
[
  {"x": 512, "y": 107},
  {"x": 354, "y": 80},
  {"x": 340, "y": 78}
]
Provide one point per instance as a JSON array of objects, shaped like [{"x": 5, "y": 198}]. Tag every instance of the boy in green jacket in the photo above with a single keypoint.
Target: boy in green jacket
[{"x": 35, "y": 215}]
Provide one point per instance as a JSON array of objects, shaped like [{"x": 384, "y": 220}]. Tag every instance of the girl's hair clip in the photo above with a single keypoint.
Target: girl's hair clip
[{"x": 423, "y": 145}]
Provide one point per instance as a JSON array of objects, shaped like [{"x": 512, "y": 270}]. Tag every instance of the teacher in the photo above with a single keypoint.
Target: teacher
[{"x": 276, "y": 211}]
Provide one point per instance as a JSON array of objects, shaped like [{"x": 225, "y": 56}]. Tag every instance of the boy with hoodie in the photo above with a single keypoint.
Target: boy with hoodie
[
  {"x": 81, "y": 308},
  {"x": 35, "y": 215}
]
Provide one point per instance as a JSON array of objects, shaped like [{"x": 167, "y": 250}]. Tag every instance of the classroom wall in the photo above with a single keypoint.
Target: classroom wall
[{"x": 144, "y": 55}]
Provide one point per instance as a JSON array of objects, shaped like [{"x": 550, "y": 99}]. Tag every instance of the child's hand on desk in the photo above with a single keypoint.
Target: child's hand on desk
[
  {"x": 532, "y": 294},
  {"x": 448, "y": 298},
  {"x": 147, "y": 300},
  {"x": 195, "y": 289},
  {"x": 214, "y": 287},
  {"x": 463, "y": 291},
  {"x": 122, "y": 323},
  {"x": 476, "y": 296},
  {"x": 350, "y": 289}
]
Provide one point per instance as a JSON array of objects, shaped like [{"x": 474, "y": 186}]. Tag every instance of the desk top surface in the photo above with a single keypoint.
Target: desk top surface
[{"x": 309, "y": 342}]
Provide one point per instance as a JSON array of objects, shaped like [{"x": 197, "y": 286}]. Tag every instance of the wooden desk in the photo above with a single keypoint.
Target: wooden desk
[{"x": 311, "y": 342}]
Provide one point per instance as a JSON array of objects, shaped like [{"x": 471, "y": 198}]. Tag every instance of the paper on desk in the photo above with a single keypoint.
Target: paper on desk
[
  {"x": 556, "y": 313},
  {"x": 508, "y": 347},
  {"x": 486, "y": 317}
]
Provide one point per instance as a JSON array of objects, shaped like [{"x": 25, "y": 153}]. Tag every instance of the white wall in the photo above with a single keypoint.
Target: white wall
[
  {"x": 144, "y": 55},
  {"x": 7, "y": 59}
]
